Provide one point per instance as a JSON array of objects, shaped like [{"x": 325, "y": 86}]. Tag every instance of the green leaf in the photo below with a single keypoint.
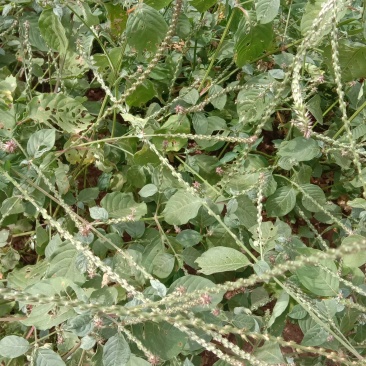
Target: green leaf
[
  {"x": 146, "y": 28},
  {"x": 11, "y": 206},
  {"x": 314, "y": 333},
  {"x": 148, "y": 190},
  {"x": 191, "y": 97},
  {"x": 192, "y": 283},
  {"x": 202, "y": 5},
  {"x": 65, "y": 112},
  {"x": 253, "y": 100},
  {"x": 317, "y": 194},
  {"x": 41, "y": 142},
  {"x": 267, "y": 10},
  {"x": 116, "y": 351},
  {"x": 117, "y": 17},
  {"x": 281, "y": 305},
  {"x": 4, "y": 234},
  {"x": 251, "y": 41},
  {"x": 218, "y": 102},
  {"x": 53, "y": 31},
  {"x": 157, "y": 4},
  {"x": 163, "y": 265},
  {"x": 181, "y": 208},
  {"x": 311, "y": 14},
  {"x": 352, "y": 60},
  {"x": 221, "y": 259},
  {"x": 315, "y": 108},
  {"x": 354, "y": 260},
  {"x": 13, "y": 346},
  {"x": 62, "y": 263},
  {"x": 270, "y": 353},
  {"x": 300, "y": 149},
  {"x": 161, "y": 339},
  {"x": 98, "y": 213},
  {"x": 88, "y": 194},
  {"x": 142, "y": 94},
  {"x": 47, "y": 316},
  {"x": 318, "y": 280},
  {"x": 281, "y": 202},
  {"x": 189, "y": 238},
  {"x": 62, "y": 180},
  {"x": 47, "y": 357},
  {"x": 120, "y": 205},
  {"x": 297, "y": 312}
]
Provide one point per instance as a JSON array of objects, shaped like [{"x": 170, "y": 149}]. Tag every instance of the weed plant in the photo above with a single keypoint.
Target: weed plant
[{"x": 182, "y": 182}]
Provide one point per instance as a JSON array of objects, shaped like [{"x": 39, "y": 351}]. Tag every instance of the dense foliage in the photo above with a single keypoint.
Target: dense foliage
[{"x": 182, "y": 182}]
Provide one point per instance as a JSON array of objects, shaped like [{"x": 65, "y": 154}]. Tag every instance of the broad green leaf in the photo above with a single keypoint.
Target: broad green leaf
[
  {"x": 163, "y": 265},
  {"x": 218, "y": 102},
  {"x": 142, "y": 94},
  {"x": 62, "y": 263},
  {"x": 317, "y": 194},
  {"x": 41, "y": 142},
  {"x": 157, "y": 4},
  {"x": 62, "y": 180},
  {"x": 356, "y": 259},
  {"x": 251, "y": 41},
  {"x": 191, "y": 97},
  {"x": 47, "y": 357},
  {"x": 266, "y": 10},
  {"x": 65, "y": 112},
  {"x": 270, "y": 353},
  {"x": 13, "y": 346},
  {"x": 253, "y": 100},
  {"x": 145, "y": 28},
  {"x": 117, "y": 17},
  {"x": 189, "y": 238},
  {"x": 221, "y": 259},
  {"x": 181, "y": 208},
  {"x": 88, "y": 194},
  {"x": 192, "y": 283},
  {"x": 202, "y": 5},
  {"x": 297, "y": 312},
  {"x": 300, "y": 149},
  {"x": 116, "y": 351},
  {"x": 4, "y": 234},
  {"x": 120, "y": 205},
  {"x": 281, "y": 202},
  {"x": 318, "y": 280},
  {"x": 314, "y": 334},
  {"x": 162, "y": 339},
  {"x": 53, "y": 31},
  {"x": 246, "y": 211},
  {"x": 137, "y": 361},
  {"x": 12, "y": 206},
  {"x": 174, "y": 125},
  {"x": 87, "y": 342},
  {"x": 98, "y": 213},
  {"x": 148, "y": 190},
  {"x": 281, "y": 305},
  {"x": 315, "y": 108},
  {"x": 352, "y": 60},
  {"x": 46, "y": 316},
  {"x": 8, "y": 121},
  {"x": 311, "y": 14}
]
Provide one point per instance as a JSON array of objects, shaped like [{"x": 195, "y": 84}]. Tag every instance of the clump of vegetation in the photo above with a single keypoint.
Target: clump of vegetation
[{"x": 182, "y": 182}]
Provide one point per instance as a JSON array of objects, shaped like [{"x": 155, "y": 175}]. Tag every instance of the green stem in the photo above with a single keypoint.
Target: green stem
[
  {"x": 354, "y": 115},
  {"x": 213, "y": 59}
]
